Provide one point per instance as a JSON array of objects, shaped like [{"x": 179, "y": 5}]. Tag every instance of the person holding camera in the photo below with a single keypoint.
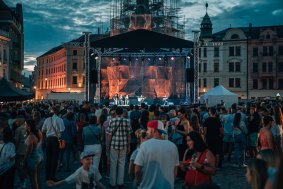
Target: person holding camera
[{"x": 198, "y": 162}]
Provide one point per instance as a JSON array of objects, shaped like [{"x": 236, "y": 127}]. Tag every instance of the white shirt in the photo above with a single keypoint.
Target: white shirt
[
  {"x": 82, "y": 176},
  {"x": 57, "y": 123},
  {"x": 158, "y": 159}
]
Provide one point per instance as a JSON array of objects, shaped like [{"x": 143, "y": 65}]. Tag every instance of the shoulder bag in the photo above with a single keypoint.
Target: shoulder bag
[{"x": 61, "y": 142}]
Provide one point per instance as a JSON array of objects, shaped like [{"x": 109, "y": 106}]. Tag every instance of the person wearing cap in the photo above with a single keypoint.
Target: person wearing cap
[
  {"x": 157, "y": 159},
  {"x": 52, "y": 129},
  {"x": 265, "y": 139},
  {"x": 87, "y": 176}
]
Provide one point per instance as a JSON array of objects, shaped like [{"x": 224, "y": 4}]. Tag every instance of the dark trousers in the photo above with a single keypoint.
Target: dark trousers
[
  {"x": 7, "y": 178},
  {"x": 52, "y": 155}
]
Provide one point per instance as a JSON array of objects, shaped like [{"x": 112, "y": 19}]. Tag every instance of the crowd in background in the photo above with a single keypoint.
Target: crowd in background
[{"x": 155, "y": 144}]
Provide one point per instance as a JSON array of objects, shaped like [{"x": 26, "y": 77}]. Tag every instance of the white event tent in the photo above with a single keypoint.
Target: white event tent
[{"x": 218, "y": 93}]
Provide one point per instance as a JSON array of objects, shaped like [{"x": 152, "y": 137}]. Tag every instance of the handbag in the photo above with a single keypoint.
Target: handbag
[{"x": 61, "y": 142}]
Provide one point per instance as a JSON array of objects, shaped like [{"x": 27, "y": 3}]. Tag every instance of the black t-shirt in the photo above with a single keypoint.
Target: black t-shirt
[{"x": 213, "y": 126}]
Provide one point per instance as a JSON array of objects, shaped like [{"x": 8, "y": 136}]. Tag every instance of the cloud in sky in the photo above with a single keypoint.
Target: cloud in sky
[{"x": 49, "y": 23}]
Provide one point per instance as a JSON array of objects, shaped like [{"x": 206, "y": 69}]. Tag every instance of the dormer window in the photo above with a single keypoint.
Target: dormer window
[{"x": 235, "y": 36}]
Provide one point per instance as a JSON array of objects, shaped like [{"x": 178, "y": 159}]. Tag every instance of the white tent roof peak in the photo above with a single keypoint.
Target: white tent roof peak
[{"x": 219, "y": 90}]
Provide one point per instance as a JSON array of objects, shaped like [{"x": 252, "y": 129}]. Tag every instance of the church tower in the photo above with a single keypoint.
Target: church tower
[{"x": 206, "y": 26}]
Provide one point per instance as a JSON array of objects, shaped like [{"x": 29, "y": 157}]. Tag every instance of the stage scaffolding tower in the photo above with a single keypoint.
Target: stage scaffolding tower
[{"x": 196, "y": 66}]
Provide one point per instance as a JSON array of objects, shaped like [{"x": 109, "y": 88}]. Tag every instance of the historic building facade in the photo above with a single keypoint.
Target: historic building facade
[
  {"x": 223, "y": 59},
  {"x": 246, "y": 60},
  {"x": 62, "y": 69},
  {"x": 265, "y": 57},
  {"x": 11, "y": 27}
]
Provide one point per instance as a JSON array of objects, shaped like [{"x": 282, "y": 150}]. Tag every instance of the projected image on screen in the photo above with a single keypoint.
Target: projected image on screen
[{"x": 152, "y": 77}]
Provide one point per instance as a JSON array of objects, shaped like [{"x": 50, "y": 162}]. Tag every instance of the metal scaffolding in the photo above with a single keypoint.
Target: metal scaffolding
[
  {"x": 162, "y": 16},
  {"x": 196, "y": 65}
]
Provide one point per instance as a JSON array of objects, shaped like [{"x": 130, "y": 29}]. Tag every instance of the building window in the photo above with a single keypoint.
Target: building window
[
  {"x": 264, "y": 84},
  {"x": 270, "y": 84},
  {"x": 255, "y": 84},
  {"x": 231, "y": 51},
  {"x": 75, "y": 65},
  {"x": 238, "y": 83},
  {"x": 199, "y": 52},
  {"x": 199, "y": 67},
  {"x": 204, "y": 82},
  {"x": 235, "y": 36},
  {"x": 237, "y": 67},
  {"x": 199, "y": 83},
  {"x": 280, "y": 50},
  {"x": 280, "y": 66},
  {"x": 216, "y": 51},
  {"x": 264, "y": 51},
  {"x": 270, "y": 51},
  {"x": 231, "y": 66},
  {"x": 255, "y": 67},
  {"x": 216, "y": 82},
  {"x": 75, "y": 80},
  {"x": 280, "y": 83},
  {"x": 255, "y": 52},
  {"x": 83, "y": 79},
  {"x": 270, "y": 67},
  {"x": 263, "y": 69},
  {"x": 75, "y": 52},
  {"x": 238, "y": 51},
  {"x": 204, "y": 67},
  {"x": 216, "y": 67},
  {"x": 231, "y": 82},
  {"x": 204, "y": 52}
]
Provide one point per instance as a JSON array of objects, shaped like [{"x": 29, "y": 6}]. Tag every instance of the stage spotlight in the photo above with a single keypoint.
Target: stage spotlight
[
  {"x": 148, "y": 59},
  {"x": 124, "y": 59},
  {"x": 137, "y": 58},
  {"x": 96, "y": 57},
  {"x": 159, "y": 58},
  {"x": 172, "y": 58},
  {"x": 113, "y": 59}
]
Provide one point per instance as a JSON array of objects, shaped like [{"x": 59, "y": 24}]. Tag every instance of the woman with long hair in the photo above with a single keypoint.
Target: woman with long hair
[
  {"x": 32, "y": 156},
  {"x": 256, "y": 173},
  {"x": 195, "y": 124},
  {"x": 198, "y": 162}
]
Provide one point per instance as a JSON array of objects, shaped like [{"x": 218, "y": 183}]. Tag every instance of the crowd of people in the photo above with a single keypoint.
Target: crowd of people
[{"x": 156, "y": 145}]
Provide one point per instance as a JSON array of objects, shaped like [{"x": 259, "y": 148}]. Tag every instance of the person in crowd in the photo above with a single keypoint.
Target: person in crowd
[
  {"x": 183, "y": 128},
  {"x": 144, "y": 119},
  {"x": 198, "y": 161},
  {"x": 36, "y": 116},
  {"x": 213, "y": 131},
  {"x": 52, "y": 129},
  {"x": 141, "y": 135},
  {"x": 227, "y": 120},
  {"x": 32, "y": 156},
  {"x": 80, "y": 125},
  {"x": 87, "y": 176},
  {"x": 92, "y": 140},
  {"x": 20, "y": 137},
  {"x": 240, "y": 130},
  {"x": 271, "y": 159},
  {"x": 69, "y": 135},
  {"x": 195, "y": 124},
  {"x": 254, "y": 122},
  {"x": 7, "y": 160},
  {"x": 256, "y": 173},
  {"x": 276, "y": 128},
  {"x": 119, "y": 134},
  {"x": 265, "y": 140},
  {"x": 278, "y": 183},
  {"x": 154, "y": 167}
]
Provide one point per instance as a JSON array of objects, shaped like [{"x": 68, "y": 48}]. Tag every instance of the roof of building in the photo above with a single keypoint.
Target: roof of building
[
  {"x": 142, "y": 39},
  {"x": 206, "y": 20},
  {"x": 254, "y": 31},
  {"x": 93, "y": 37}
]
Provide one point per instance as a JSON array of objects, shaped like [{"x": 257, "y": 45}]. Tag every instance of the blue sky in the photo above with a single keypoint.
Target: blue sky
[{"x": 49, "y": 23}]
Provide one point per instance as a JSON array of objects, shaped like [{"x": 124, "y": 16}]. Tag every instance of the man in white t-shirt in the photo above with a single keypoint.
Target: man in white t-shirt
[{"x": 157, "y": 160}]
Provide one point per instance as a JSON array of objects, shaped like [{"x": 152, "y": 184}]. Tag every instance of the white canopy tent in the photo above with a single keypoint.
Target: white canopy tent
[{"x": 216, "y": 94}]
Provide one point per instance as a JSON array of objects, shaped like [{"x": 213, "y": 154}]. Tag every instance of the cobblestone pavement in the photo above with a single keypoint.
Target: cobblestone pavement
[{"x": 227, "y": 178}]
